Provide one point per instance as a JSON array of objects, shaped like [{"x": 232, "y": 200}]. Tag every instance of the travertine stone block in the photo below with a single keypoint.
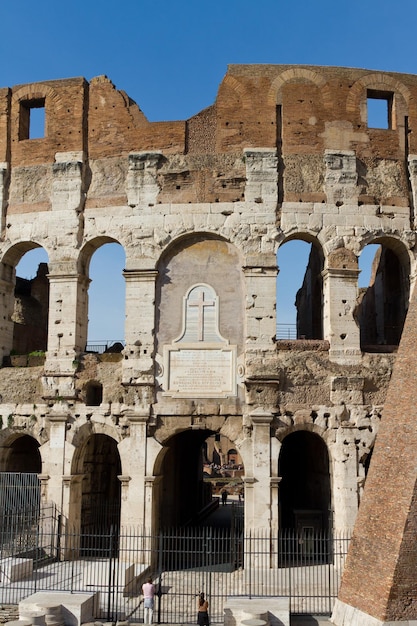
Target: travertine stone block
[{"x": 142, "y": 187}]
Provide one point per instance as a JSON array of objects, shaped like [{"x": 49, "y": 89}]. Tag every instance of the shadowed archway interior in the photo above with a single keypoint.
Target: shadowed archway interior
[
  {"x": 182, "y": 491},
  {"x": 304, "y": 491},
  {"x": 101, "y": 489}
]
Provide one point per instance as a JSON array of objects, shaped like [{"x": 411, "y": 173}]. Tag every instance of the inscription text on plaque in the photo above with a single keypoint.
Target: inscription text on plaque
[{"x": 200, "y": 363}]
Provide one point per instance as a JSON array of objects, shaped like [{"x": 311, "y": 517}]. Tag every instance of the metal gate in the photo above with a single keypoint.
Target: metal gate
[
  {"x": 182, "y": 563},
  {"x": 306, "y": 567},
  {"x": 19, "y": 492},
  {"x": 191, "y": 561}
]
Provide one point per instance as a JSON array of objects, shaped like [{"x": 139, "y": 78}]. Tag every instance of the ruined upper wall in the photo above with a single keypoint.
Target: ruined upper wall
[
  {"x": 323, "y": 107},
  {"x": 301, "y": 111}
]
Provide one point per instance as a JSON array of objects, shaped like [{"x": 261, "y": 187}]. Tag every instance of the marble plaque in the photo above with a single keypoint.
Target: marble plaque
[
  {"x": 200, "y": 372},
  {"x": 200, "y": 363}
]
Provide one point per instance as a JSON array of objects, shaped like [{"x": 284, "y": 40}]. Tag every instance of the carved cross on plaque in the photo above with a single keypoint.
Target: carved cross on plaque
[
  {"x": 201, "y": 303},
  {"x": 200, "y": 363}
]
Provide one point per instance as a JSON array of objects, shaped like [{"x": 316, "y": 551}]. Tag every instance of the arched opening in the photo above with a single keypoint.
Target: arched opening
[
  {"x": 101, "y": 488},
  {"x": 383, "y": 295},
  {"x": 19, "y": 483},
  {"x": 23, "y": 456},
  {"x": 304, "y": 491},
  {"x": 299, "y": 291},
  {"x": 194, "y": 530},
  {"x": 194, "y": 470},
  {"x": 182, "y": 490},
  {"x": 106, "y": 297},
  {"x": 203, "y": 261},
  {"x": 31, "y": 303}
]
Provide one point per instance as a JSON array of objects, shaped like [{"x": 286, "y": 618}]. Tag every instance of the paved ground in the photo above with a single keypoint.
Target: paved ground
[{"x": 8, "y": 613}]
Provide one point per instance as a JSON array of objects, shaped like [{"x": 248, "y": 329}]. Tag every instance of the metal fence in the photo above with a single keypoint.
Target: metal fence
[
  {"x": 105, "y": 345},
  {"x": 19, "y": 492},
  {"x": 223, "y": 564},
  {"x": 286, "y": 331}
]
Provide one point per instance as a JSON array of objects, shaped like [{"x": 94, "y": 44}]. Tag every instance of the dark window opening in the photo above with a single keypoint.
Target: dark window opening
[
  {"x": 379, "y": 109},
  {"x": 32, "y": 119},
  {"x": 94, "y": 394}
]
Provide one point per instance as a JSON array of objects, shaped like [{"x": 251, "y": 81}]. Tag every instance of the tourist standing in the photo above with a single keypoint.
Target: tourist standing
[
  {"x": 202, "y": 611},
  {"x": 148, "y": 590}
]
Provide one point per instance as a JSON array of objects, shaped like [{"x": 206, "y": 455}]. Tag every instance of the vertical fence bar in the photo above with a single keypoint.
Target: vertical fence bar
[
  {"x": 110, "y": 552},
  {"x": 160, "y": 565},
  {"x": 250, "y": 563}
]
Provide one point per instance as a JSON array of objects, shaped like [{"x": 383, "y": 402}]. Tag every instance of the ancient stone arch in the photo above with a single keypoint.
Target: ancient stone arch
[
  {"x": 296, "y": 74},
  {"x": 380, "y": 83},
  {"x": 233, "y": 83},
  {"x": 203, "y": 205},
  {"x": 21, "y": 453},
  {"x": 309, "y": 298}
]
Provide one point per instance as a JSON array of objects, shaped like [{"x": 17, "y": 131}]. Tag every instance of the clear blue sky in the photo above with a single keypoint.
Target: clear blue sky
[{"x": 171, "y": 56}]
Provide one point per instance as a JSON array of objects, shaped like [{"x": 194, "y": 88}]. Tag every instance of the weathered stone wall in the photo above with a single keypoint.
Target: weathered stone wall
[{"x": 201, "y": 207}]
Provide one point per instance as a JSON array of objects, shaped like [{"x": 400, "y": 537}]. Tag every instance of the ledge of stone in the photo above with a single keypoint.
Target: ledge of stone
[{"x": 318, "y": 345}]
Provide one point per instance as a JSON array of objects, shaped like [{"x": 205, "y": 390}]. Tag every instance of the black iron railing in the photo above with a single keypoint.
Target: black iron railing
[
  {"x": 286, "y": 331},
  {"x": 99, "y": 346},
  {"x": 222, "y": 563}
]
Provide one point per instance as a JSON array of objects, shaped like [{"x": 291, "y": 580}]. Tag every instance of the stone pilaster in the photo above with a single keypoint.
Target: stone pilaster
[
  {"x": 142, "y": 185},
  {"x": 261, "y": 175},
  {"x": 260, "y": 278},
  {"x": 275, "y": 481},
  {"x": 67, "y": 331},
  {"x": 68, "y": 196},
  {"x": 140, "y": 327},
  {"x": 124, "y": 481},
  {"x": 135, "y": 447},
  {"x": 344, "y": 460},
  {"x": 339, "y": 325},
  {"x": 54, "y": 460},
  {"x": 67, "y": 185},
  {"x": 261, "y": 467},
  {"x": 249, "y": 500},
  {"x": 341, "y": 177},
  {"x": 72, "y": 491},
  {"x": 43, "y": 479}
]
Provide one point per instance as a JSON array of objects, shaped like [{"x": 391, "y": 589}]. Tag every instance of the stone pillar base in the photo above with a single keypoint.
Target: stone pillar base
[{"x": 346, "y": 615}]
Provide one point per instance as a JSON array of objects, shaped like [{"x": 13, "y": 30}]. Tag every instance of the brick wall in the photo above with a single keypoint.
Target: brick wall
[
  {"x": 381, "y": 570},
  {"x": 304, "y": 110}
]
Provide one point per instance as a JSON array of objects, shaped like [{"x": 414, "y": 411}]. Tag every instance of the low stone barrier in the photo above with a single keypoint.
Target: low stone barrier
[
  {"x": 58, "y": 609},
  {"x": 266, "y": 611},
  {"x": 13, "y": 569}
]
